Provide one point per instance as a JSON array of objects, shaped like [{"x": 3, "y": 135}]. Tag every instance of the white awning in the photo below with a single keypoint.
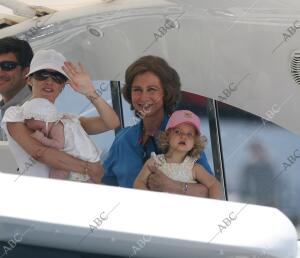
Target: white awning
[{"x": 57, "y": 5}]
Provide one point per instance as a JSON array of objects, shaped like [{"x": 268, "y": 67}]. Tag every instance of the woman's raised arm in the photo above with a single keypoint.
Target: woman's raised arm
[
  {"x": 81, "y": 82},
  {"x": 50, "y": 156}
]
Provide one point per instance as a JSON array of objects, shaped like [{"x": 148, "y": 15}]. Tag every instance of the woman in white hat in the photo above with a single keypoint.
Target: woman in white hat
[{"x": 49, "y": 72}]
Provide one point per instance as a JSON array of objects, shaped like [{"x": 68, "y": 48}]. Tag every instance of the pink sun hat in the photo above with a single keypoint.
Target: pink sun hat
[{"x": 184, "y": 116}]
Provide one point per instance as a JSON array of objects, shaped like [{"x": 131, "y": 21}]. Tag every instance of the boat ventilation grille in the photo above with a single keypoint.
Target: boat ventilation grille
[{"x": 295, "y": 66}]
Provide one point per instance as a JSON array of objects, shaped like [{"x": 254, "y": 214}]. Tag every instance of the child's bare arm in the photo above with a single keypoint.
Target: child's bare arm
[
  {"x": 213, "y": 185},
  {"x": 141, "y": 181},
  {"x": 57, "y": 139},
  {"x": 81, "y": 82}
]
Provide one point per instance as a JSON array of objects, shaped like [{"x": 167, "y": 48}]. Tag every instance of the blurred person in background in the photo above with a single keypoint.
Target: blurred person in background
[{"x": 258, "y": 178}]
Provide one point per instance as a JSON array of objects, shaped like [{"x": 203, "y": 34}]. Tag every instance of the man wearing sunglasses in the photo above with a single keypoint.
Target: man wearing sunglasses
[{"x": 15, "y": 58}]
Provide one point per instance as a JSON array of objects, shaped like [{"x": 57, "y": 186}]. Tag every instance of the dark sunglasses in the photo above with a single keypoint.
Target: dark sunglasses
[
  {"x": 8, "y": 65},
  {"x": 43, "y": 75}
]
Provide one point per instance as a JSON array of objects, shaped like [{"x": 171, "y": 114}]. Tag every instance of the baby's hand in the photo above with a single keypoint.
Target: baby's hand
[{"x": 37, "y": 135}]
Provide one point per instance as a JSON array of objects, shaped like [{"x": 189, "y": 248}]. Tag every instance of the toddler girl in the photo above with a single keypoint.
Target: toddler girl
[{"x": 182, "y": 143}]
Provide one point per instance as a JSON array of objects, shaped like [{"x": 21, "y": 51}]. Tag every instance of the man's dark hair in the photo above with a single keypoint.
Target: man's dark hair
[{"x": 20, "y": 48}]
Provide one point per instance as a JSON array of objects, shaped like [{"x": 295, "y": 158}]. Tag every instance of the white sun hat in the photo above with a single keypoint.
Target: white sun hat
[
  {"x": 47, "y": 59},
  {"x": 42, "y": 110}
]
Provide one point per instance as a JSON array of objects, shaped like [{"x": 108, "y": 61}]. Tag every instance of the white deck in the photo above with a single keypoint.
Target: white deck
[{"x": 60, "y": 213}]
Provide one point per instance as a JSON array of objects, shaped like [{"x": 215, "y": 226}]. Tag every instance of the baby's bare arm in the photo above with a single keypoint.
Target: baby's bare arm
[{"x": 56, "y": 137}]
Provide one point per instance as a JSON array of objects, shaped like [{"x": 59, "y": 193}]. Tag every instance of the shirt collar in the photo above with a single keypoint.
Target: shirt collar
[
  {"x": 18, "y": 99},
  {"x": 161, "y": 127}
]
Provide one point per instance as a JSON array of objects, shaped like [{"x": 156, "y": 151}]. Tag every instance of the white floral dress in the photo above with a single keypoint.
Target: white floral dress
[{"x": 182, "y": 172}]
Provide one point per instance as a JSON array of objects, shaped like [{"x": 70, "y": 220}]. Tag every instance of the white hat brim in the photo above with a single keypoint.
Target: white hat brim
[{"x": 47, "y": 66}]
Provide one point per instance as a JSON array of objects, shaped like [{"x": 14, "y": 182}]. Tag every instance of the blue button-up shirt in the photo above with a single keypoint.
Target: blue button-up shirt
[{"x": 127, "y": 155}]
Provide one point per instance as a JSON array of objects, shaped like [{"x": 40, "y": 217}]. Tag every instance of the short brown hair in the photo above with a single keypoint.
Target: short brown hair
[
  {"x": 167, "y": 75},
  {"x": 199, "y": 144}
]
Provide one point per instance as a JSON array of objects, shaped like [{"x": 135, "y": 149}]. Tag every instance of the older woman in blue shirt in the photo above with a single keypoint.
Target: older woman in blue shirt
[{"x": 153, "y": 90}]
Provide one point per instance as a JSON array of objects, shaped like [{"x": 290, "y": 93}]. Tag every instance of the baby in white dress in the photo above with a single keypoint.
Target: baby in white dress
[{"x": 61, "y": 131}]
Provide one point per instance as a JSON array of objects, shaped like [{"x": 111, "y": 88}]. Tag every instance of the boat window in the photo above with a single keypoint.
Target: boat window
[{"x": 261, "y": 161}]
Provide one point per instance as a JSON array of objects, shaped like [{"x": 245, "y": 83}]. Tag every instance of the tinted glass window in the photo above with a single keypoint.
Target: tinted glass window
[{"x": 262, "y": 161}]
